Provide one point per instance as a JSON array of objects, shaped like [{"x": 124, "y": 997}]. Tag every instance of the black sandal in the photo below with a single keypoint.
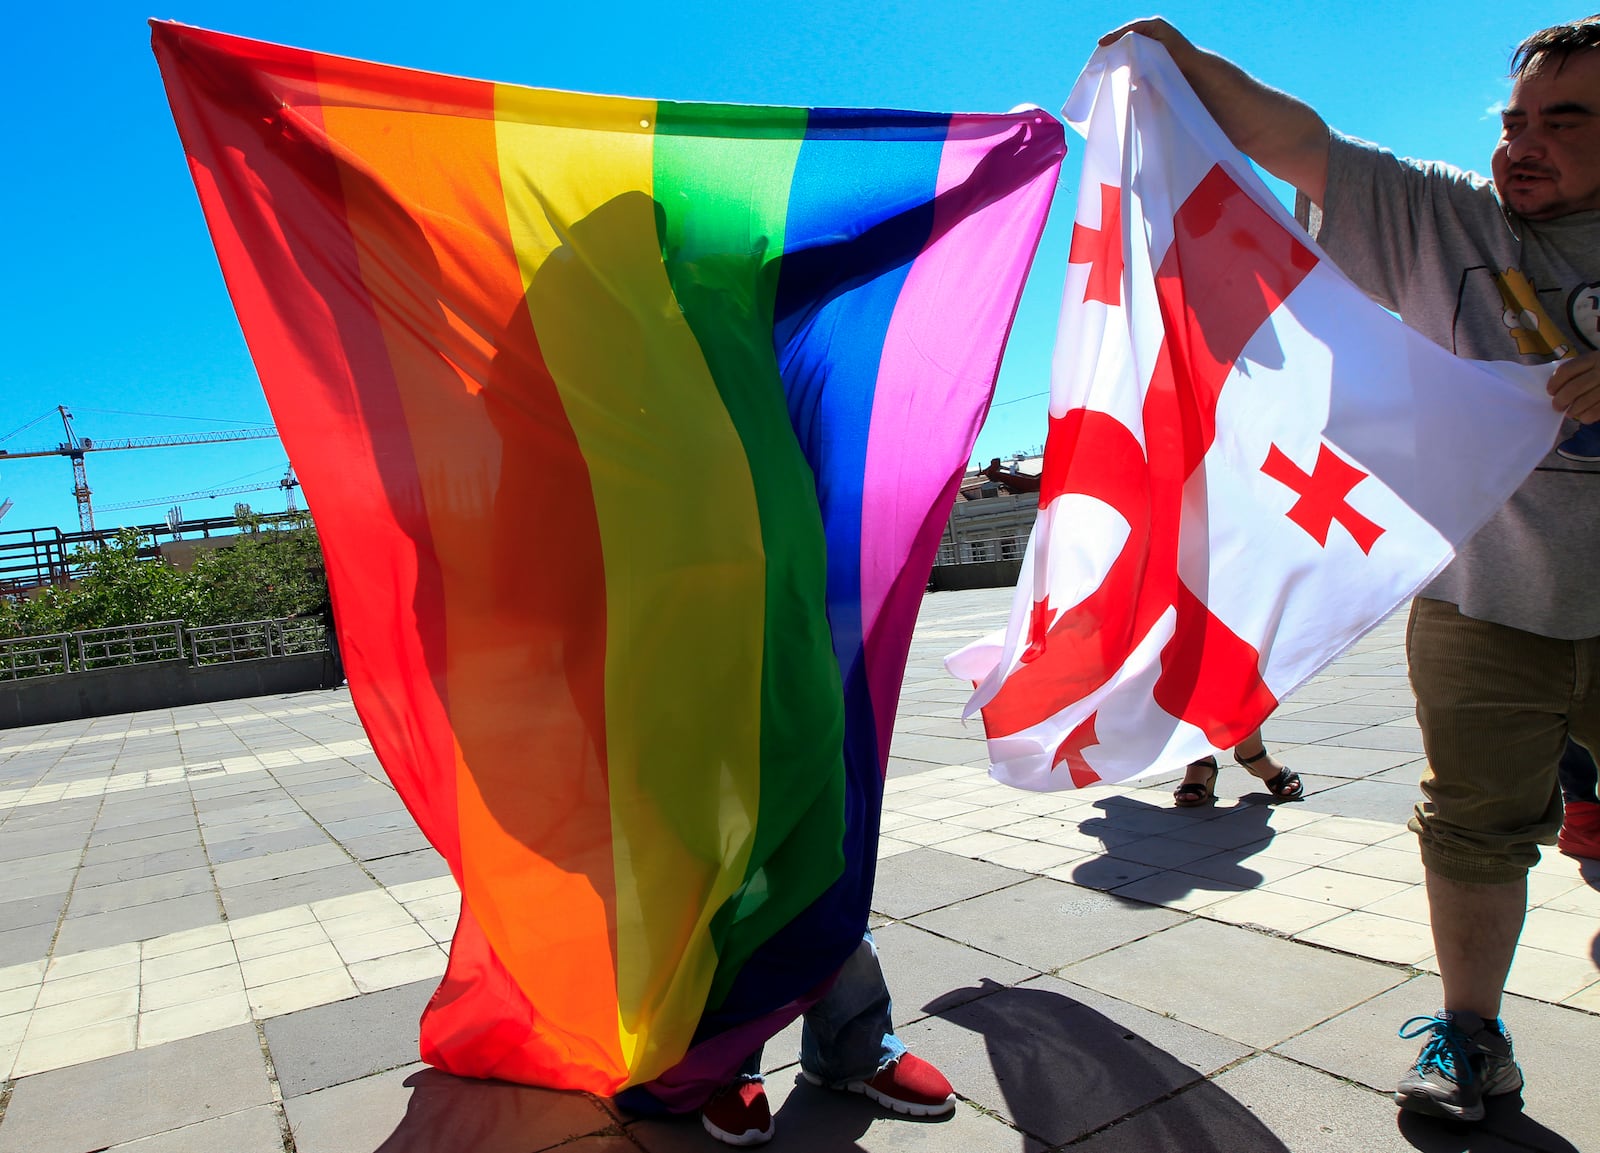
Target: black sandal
[
  {"x": 1286, "y": 786},
  {"x": 1193, "y": 794}
]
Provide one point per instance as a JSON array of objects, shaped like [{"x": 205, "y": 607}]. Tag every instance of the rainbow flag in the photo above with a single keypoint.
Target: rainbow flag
[{"x": 630, "y": 428}]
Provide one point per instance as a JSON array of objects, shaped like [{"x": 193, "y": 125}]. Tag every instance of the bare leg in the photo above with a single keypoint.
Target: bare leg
[
  {"x": 1475, "y": 931},
  {"x": 1250, "y": 747}
]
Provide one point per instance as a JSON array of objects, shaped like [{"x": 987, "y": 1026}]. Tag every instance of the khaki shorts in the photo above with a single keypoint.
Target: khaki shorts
[{"x": 1496, "y": 705}]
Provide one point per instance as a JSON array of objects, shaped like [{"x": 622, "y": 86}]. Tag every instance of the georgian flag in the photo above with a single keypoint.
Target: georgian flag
[{"x": 1249, "y": 463}]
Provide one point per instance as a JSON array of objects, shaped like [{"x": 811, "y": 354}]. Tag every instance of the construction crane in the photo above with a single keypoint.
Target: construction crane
[
  {"x": 289, "y": 483},
  {"x": 74, "y": 447}
]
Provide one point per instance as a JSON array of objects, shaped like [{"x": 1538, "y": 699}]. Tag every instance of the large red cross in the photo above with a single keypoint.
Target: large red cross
[
  {"x": 1101, "y": 249},
  {"x": 1229, "y": 267},
  {"x": 1322, "y": 494}
]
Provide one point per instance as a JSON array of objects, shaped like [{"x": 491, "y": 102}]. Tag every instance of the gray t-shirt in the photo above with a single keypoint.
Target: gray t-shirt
[{"x": 1434, "y": 244}]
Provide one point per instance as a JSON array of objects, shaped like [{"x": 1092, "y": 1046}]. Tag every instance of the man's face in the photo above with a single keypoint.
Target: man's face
[{"x": 1547, "y": 163}]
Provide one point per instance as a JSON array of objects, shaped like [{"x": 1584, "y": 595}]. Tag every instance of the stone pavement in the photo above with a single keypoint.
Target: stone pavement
[{"x": 218, "y": 926}]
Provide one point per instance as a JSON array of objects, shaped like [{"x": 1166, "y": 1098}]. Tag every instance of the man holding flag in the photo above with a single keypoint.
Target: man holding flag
[{"x": 1504, "y": 644}]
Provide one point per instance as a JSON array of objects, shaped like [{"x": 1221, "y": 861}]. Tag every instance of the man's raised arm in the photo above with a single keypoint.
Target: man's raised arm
[{"x": 1278, "y": 132}]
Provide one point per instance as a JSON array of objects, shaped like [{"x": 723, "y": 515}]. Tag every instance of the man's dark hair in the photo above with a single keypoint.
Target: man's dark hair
[{"x": 1558, "y": 41}]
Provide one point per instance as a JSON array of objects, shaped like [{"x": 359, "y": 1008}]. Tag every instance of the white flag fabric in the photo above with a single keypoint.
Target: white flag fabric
[{"x": 1249, "y": 463}]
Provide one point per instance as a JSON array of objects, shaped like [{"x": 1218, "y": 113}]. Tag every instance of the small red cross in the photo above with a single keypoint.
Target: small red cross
[
  {"x": 1071, "y": 753},
  {"x": 1101, "y": 248},
  {"x": 1039, "y": 622},
  {"x": 1322, "y": 495}
]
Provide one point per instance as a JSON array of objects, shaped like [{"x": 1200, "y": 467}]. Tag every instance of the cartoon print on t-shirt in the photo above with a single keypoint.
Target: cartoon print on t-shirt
[
  {"x": 1531, "y": 327},
  {"x": 1583, "y": 313}
]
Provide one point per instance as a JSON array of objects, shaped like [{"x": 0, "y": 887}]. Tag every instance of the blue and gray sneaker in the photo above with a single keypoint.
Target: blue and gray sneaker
[
  {"x": 1464, "y": 1060},
  {"x": 1582, "y": 445}
]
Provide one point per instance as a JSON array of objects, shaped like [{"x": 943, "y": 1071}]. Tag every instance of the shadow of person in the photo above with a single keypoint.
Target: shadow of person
[
  {"x": 1064, "y": 1069},
  {"x": 1504, "y": 1126},
  {"x": 1132, "y": 831},
  {"x": 448, "y": 1114}
]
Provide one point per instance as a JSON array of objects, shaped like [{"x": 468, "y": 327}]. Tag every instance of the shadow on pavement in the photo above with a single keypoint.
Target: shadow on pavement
[
  {"x": 1127, "y": 819},
  {"x": 1065, "y": 1070},
  {"x": 1504, "y": 1127},
  {"x": 449, "y": 1114}
]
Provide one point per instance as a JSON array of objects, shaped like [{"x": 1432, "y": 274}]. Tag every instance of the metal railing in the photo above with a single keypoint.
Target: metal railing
[
  {"x": 33, "y": 656},
  {"x": 255, "y": 640},
  {"x": 127, "y": 645},
  {"x": 87, "y": 649},
  {"x": 978, "y": 551}
]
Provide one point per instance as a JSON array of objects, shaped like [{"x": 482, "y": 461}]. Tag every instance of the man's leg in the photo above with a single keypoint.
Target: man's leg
[
  {"x": 1475, "y": 931},
  {"x": 849, "y": 1034},
  {"x": 1492, "y": 703},
  {"x": 847, "y": 1042}
]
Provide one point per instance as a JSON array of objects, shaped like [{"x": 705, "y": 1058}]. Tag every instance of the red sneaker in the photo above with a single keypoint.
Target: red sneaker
[
  {"x": 1580, "y": 830},
  {"x": 738, "y": 1114},
  {"x": 910, "y": 1085}
]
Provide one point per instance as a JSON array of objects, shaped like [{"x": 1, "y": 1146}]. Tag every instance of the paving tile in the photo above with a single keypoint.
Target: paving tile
[
  {"x": 130, "y": 850},
  {"x": 1326, "y": 984},
  {"x": 44, "y": 909},
  {"x": 385, "y": 972},
  {"x": 184, "y": 941},
  {"x": 59, "y": 990},
  {"x": 20, "y": 946},
  {"x": 276, "y": 866},
  {"x": 1549, "y": 976},
  {"x": 176, "y": 966},
  {"x": 298, "y": 993},
  {"x": 303, "y": 888},
  {"x": 192, "y": 1018},
  {"x": 1344, "y": 890},
  {"x": 1056, "y": 1067},
  {"x": 1361, "y": 1045},
  {"x": 389, "y": 914},
  {"x": 250, "y": 844},
  {"x": 1587, "y": 999},
  {"x": 20, "y": 1000},
  {"x": 138, "y": 923},
  {"x": 20, "y": 976},
  {"x": 440, "y": 886},
  {"x": 133, "y": 869},
  {"x": 928, "y": 974},
  {"x": 260, "y": 923},
  {"x": 1571, "y": 934},
  {"x": 1365, "y": 934},
  {"x": 813, "y": 1119},
  {"x": 254, "y": 1130},
  {"x": 1044, "y": 923},
  {"x": 280, "y": 941},
  {"x": 294, "y": 963},
  {"x": 142, "y": 830},
  {"x": 44, "y": 1052},
  {"x": 415, "y": 1109},
  {"x": 136, "y": 1094},
  {"x": 379, "y": 1031},
  {"x": 80, "y": 1014},
  {"x": 913, "y": 883},
  {"x": 1274, "y": 912},
  {"x": 1029, "y": 856},
  {"x": 190, "y": 987},
  {"x": 1101, "y": 872},
  {"x": 1308, "y": 1109}
]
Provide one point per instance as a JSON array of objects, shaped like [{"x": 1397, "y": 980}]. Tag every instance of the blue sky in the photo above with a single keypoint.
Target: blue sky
[{"x": 113, "y": 305}]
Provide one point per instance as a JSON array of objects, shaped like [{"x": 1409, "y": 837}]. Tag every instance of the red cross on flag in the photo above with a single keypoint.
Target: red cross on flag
[{"x": 1249, "y": 463}]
